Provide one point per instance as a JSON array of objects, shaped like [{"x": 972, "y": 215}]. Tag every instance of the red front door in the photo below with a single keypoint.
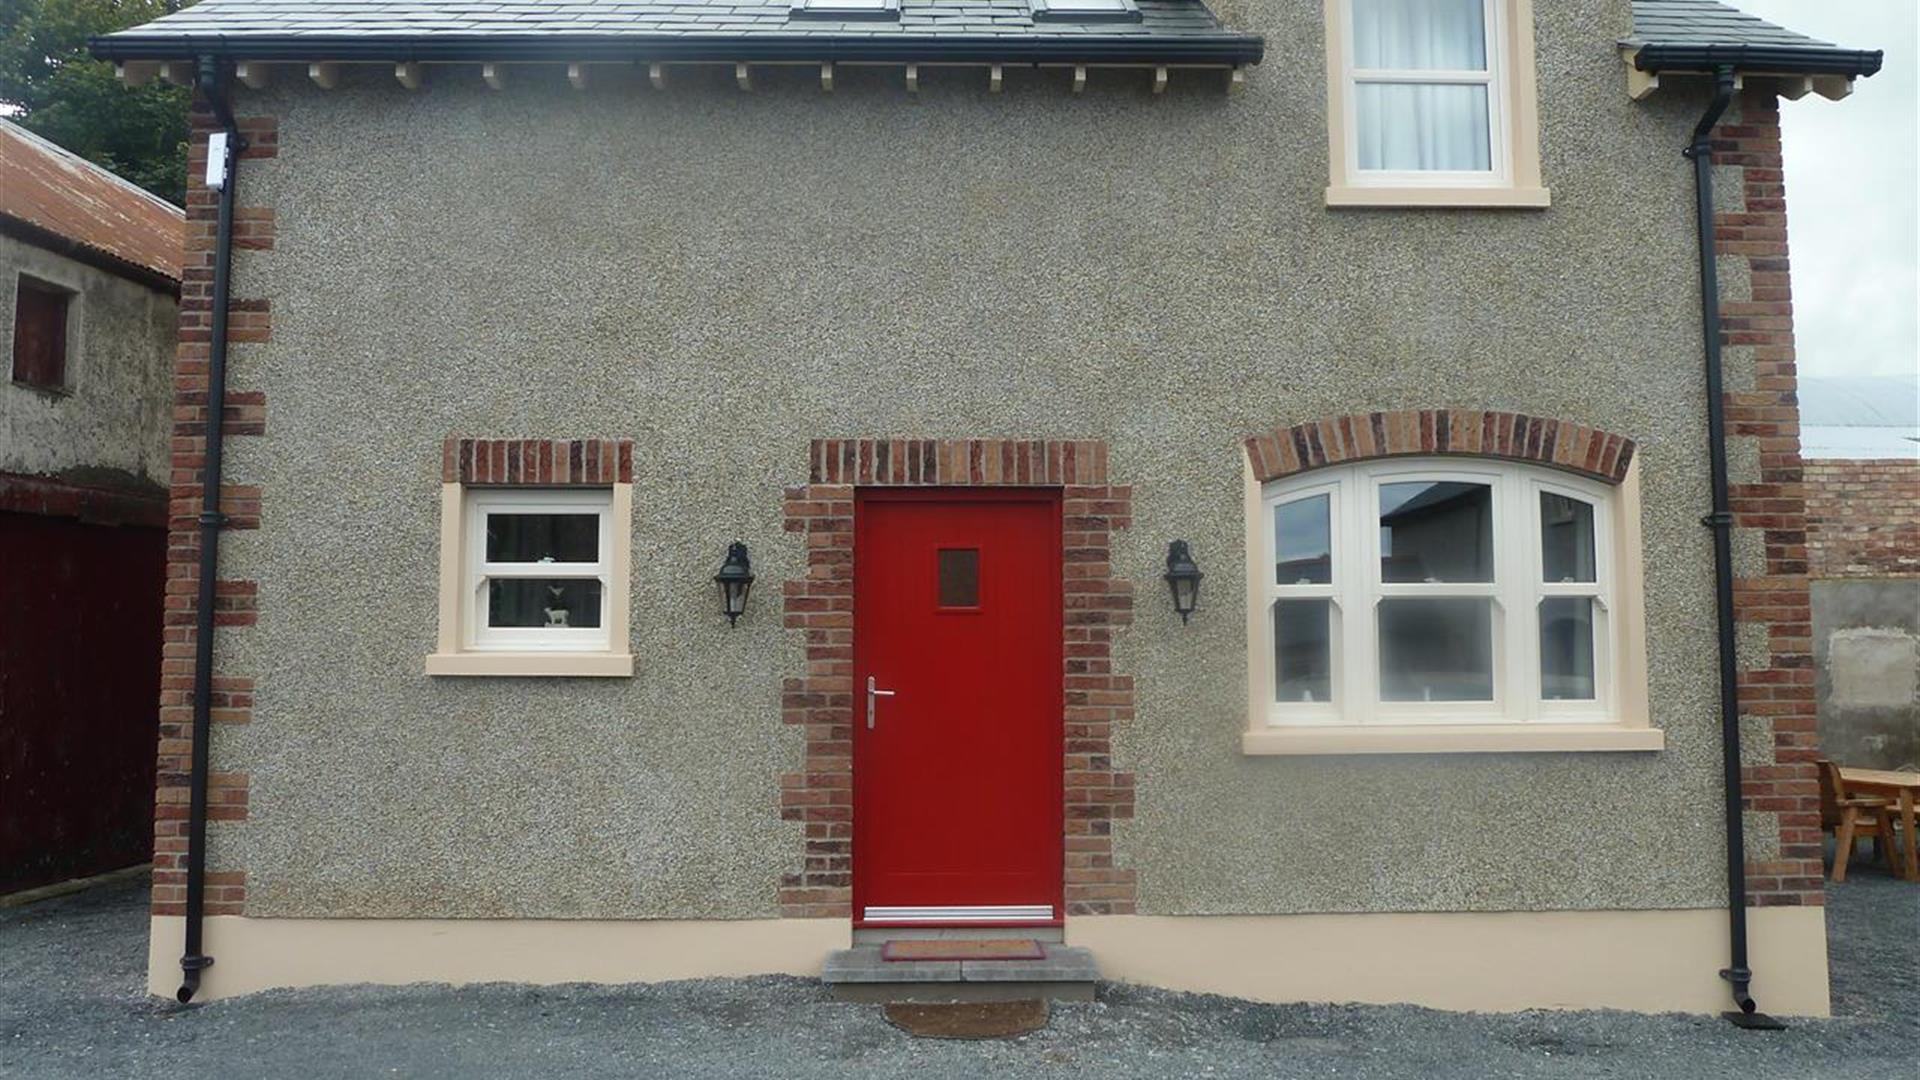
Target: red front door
[{"x": 957, "y": 778}]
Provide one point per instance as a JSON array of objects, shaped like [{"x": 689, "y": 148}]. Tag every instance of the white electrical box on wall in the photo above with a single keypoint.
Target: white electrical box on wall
[{"x": 217, "y": 161}]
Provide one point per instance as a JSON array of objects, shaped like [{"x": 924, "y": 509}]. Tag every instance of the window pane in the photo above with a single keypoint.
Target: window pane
[
  {"x": 1436, "y": 531},
  {"x": 1302, "y": 650},
  {"x": 959, "y": 577},
  {"x": 528, "y": 538},
  {"x": 1436, "y": 650},
  {"x": 1404, "y": 127},
  {"x": 545, "y": 602},
  {"x": 1446, "y": 35},
  {"x": 1302, "y": 543},
  {"x": 1566, "y": 648},
  {"x": 1566, "y": 538},
  {"x": 1086, "y": 5}
]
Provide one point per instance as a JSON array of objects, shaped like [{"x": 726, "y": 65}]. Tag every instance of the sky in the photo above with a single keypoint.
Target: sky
[{"x": 1853, "y": 194}]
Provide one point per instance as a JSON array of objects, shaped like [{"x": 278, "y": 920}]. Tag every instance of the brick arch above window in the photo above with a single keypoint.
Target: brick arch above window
[{"x": 1562, "y": 444}]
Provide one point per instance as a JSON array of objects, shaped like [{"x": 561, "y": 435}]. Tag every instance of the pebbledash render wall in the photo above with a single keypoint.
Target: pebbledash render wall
[{"x": 725, "y": 278}]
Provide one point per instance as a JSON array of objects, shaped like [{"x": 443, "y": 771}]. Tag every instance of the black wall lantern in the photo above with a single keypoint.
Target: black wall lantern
[
  {"x": 1183, "y": 578},
  {"x": 736, "y": 581}
]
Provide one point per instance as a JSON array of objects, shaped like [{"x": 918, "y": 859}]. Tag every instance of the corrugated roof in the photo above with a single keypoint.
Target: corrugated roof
[
  {"x": 421, "y": 19},
  {"x": 62, "y": 194}
]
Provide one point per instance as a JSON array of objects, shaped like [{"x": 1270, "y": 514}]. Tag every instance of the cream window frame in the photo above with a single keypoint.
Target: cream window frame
[
  {"x": 467, "y": 647},
  {"x": 1518, "y": 718},
  {"x": 1513, "y": 122}
]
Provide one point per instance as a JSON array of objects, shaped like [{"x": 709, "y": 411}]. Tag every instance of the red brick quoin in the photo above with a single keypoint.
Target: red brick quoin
[
  {"x": 1767, "y": 417},
  {"x": 820, "y": 605},
  {"x": 1317, "y": 444},
  {"x": 249, "y": 320}
]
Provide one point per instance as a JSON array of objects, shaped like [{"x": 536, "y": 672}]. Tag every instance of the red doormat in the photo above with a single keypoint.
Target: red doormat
[
  {"x": 968, "y": 1019},
  {"x": 963, "y": 949}
]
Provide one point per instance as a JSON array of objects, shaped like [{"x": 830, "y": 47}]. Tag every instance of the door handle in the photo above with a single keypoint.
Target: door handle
[{"x": 872, "y": 693}]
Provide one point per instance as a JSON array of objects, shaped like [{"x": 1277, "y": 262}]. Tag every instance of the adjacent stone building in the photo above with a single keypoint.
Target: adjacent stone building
[
  {"x": 89, "y": 301},
  {"x": 1863, "y": 537}
]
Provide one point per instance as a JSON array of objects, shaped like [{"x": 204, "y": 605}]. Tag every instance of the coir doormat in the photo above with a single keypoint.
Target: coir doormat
[{"x": 963, "y": 949}]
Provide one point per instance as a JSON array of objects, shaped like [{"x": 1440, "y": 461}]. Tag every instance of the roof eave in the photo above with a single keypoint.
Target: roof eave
[
  {"x": 1225, "y": 49},
  {"x": 1767, "y": 59}
]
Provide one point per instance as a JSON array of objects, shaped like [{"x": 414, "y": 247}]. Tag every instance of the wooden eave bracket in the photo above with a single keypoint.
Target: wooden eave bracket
[
  {"x": 325, "y": 74},
  {"x": 1641, "y": 84},
  {"x": 136, "y": 72}
]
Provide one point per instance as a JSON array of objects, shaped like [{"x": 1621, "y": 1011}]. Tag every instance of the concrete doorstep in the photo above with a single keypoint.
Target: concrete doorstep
[{"x": 1067, "y": 973}]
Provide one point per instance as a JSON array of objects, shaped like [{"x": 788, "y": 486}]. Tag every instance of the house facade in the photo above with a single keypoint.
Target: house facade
[
  {"x": 955, "y": 318},
  {"x": 89, "y": 302}
]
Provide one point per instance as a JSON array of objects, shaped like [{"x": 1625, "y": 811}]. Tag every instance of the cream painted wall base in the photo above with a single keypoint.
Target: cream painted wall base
[
  {"x": 1646, "y": 961},
  {"x": 1649, "y": 961},
  {"x": 260, "y": 954}
]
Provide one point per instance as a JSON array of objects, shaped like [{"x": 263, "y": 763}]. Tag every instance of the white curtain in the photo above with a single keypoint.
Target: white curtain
[{"x": 1417, "y": 125}]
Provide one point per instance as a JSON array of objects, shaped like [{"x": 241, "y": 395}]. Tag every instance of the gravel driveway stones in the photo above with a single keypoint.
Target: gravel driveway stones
[{"x": 72, "y": 1004}]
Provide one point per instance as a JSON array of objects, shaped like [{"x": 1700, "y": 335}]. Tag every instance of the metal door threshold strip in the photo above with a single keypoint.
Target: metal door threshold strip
[{"x": 988, "y": 914}]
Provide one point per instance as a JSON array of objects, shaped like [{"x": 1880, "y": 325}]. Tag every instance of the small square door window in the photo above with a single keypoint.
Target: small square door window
[{"x": 959, "y": 577}]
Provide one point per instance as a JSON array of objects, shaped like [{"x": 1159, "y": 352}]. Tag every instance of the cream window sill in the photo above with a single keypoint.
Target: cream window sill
[
  {"x": 589, "y": 665},
  {"x": 1523, "y": 198},
  {"x": 1457, "y": 739}
]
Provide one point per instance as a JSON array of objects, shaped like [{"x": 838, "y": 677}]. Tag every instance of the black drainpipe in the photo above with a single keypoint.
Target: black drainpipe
[
  {"x": 213, "y": 87},
  {"x": 1721, "y": 522}
]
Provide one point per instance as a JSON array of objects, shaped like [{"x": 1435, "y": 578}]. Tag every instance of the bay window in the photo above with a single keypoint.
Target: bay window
[{"x": 1410, "y": 593}]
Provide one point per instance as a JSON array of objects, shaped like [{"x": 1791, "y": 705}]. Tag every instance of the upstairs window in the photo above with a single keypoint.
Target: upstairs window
[
  {"x": 844, "y": 9},
  {"x": 40, "y": 316},
  {"x": 1439, "y": 592},
  {"x": 1085, "y": 11},
  {"x": 1432, "y": 102}
]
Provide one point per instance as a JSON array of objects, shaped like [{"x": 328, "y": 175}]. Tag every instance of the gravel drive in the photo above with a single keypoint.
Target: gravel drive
[{"x": 72, "y": 1005}]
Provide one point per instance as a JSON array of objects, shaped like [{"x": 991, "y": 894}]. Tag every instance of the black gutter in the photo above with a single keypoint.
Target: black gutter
[
  {"x": 1758, "y": 59},
  {"x": 212, "y": 81},
  {"x": 1700, "y": 152},
  {"x": 1224, "y": 48}
]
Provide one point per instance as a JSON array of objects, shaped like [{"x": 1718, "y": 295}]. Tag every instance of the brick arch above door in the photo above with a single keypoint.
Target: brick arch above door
[{"x": 1562, "y": 444}]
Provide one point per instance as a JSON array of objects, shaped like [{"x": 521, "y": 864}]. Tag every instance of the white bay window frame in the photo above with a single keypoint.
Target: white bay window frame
[
  {"x": 1518, "y": 716},
  {"x": 1513, "y": 178}
]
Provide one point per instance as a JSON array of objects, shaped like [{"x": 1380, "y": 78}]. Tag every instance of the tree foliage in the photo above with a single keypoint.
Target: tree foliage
[{"x": 52, "y": 87}]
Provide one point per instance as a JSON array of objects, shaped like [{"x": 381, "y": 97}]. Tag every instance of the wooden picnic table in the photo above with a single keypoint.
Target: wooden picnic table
[{"x": 1902, "y": 790}]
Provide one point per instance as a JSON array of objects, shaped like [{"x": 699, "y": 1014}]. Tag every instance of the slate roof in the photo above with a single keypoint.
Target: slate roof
[
  {"x": 464, "y": 29},
  {"x": 1691, "y": 34},
  {"x": 48, "y": 193}
]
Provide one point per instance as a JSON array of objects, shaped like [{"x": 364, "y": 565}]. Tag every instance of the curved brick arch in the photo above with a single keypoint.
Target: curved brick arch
[{"x": 1468, "y": 432}]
